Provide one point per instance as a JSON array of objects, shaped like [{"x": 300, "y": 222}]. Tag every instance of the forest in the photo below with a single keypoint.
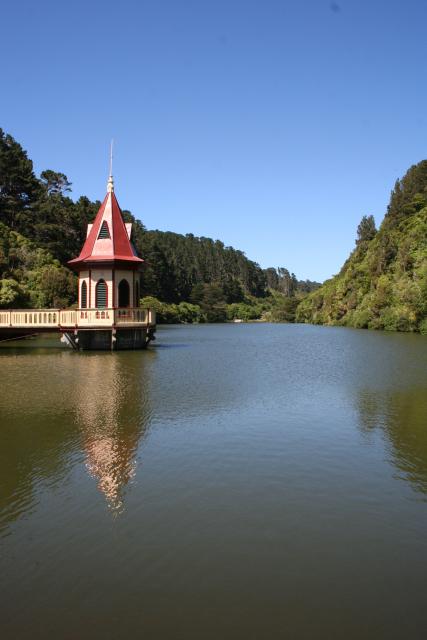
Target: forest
[
  {"x": 186, "y": 278},
  {"x": 383, "y": 283}
]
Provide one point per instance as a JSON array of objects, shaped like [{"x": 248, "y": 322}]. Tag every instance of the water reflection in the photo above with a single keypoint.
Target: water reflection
[
  {"x": 402, "y": 417},
  {"x": 66, "y": 409},
  {"x": 37, "y": 432},
  {"x": 113, "y": 411}
]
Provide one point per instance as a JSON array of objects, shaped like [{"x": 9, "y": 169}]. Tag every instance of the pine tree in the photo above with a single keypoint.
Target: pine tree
[
  {"x": 366, "y": 229},
  {"x": 19, "y": 187},
  {"x": 54, "y": 182}
]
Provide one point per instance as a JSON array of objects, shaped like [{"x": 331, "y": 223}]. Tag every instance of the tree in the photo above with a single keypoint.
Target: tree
[
  {"x": 19, "y": 187},
  {"x": 284, "y": 309},
  {"x": 366, "y": 229},
  {"x": 12, "y": 294},
  {"x": 52, "y": 286},
  {"x": 402, "y": 203},
  {"x": 211, "y": 298},
  {"x": 54, "y": 223},
  {"x": 272, "y": 278},
  {"x": 287, "y": 282},
  {"x": 233, "y": 291},
  {"x": 55, "y": 182}
]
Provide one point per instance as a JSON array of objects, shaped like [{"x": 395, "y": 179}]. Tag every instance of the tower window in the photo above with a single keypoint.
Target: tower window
[
  {"x": 124, "y": 293},
  {"x": 137, "y": 294},
  {"x": 104, "y": 232},
  {"x": 83, "y": 295},
  {"x": 101, "y": 294}
]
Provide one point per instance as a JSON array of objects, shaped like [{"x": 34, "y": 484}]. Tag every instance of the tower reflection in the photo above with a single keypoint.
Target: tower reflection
[{"x": 113, "y": 412}]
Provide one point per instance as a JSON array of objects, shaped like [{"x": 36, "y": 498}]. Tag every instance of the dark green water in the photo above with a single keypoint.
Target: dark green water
[{"x": 233, "y": 482}]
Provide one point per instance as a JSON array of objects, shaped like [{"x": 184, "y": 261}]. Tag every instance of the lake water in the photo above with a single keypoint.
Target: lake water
[{"x": 231, "y": 482}]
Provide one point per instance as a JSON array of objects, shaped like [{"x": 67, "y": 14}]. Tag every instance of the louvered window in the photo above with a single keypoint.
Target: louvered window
[
  {"x": 83, "y": 295},
  {"x": 104, "y": 231},
  {"x": 101, "y": 295}
]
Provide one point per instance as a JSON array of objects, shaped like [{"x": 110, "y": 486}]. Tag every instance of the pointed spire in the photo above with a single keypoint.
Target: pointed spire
[
  {"x": 115, "y": 245},
  {"x": 110, "y": 184}
]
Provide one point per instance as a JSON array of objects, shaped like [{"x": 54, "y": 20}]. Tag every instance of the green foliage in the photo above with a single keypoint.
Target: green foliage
[
  {"x": 409, "y": 194},
  {"x": 176, "y": 263},
  {"x": 198, "y": 279},
  {"x": 383, "y": 284},
  {"x": 19, "y": 188},
  {"x": 366, "y": 229},
  {"x": 11, "y": 294},
  {"x": 283, "y": 309},
  {"x": 52, "y": 286},
  {"x": 244, "y": 311},
  {"x": 150, "y": 302},
  {"x": 188, "y": 313},
  {"x": 184, "y": 312},
  {"x": 281, "y": 280},
  {"x": 212, "y": 308},
  {"x": 42, "y": 280},
  {"x": 54, "y": 183},
  {"x": 212, "y": 301}
]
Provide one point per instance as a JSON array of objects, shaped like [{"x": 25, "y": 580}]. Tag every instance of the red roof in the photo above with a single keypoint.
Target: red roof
[{"x": 113, "y": 244}]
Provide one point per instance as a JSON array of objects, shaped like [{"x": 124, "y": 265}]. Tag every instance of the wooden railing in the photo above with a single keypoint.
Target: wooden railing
[{"x": 76, "y": 318}]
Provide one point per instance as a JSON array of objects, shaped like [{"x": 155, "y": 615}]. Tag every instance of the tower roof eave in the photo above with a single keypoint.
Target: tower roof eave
[{"x": 105, "y": 259}]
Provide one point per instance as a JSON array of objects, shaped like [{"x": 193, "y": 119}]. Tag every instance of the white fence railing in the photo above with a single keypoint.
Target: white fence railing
[
  {"x": 135, "y": 316},
  {"x": 35, "y": 318},
  {"x": 84, "y": 318}
]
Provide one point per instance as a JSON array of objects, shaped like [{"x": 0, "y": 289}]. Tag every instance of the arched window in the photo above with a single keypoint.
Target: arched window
[
  {"x": 83, "y": 295},
  {"x": 137, "y": 294},
  {"x": 104, "y": 232},
  {"x": 124, "y": 294},
  {"x": 101, "y": 294}
]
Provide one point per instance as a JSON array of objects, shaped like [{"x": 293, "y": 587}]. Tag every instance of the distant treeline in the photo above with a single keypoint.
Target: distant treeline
[
  {"x": 41, "y": 228},
  {"x": 177, "y": 263}
]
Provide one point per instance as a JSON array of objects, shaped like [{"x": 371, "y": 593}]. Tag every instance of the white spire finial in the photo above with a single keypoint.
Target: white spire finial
[{"x": 110, "y": 185}]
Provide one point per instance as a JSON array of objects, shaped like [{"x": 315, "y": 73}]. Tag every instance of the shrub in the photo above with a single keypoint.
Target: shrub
[{"x": 12, "y": 294}]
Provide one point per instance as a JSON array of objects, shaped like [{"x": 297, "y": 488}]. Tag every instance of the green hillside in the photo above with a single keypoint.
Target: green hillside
[
  {"x": 383, "y": 284},
  {"x": 41, "y": 228}
]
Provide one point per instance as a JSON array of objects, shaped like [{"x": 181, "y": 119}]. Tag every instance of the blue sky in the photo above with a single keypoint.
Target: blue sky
[{"x": 271, "y": 125}]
